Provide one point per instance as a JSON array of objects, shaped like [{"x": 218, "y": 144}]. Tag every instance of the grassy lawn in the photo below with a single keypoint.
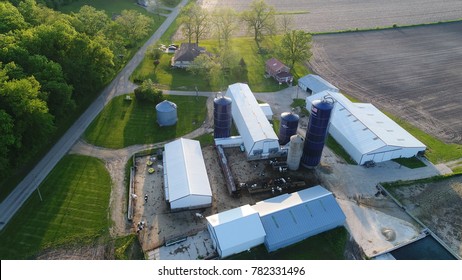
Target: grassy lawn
[
  {"x": 124, "y": 123},
  {"x": 112, "y": 7},
  {"x": 329, "y": 245},
  {"x": 411, "y": 163},
  {"x": 128, "y": 248},
  {"x": 74, "y": 209},
  {"x": 206, "y": 140},
  {"x": 437, "y": 151},
  {"x": 245, "y": 48},
  {"x": 301, "y": 103}
]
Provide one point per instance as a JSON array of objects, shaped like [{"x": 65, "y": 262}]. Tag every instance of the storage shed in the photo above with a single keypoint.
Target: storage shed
[
  {"x": 186, "y": 182},
  {"x": 235, "y": 230},
  {"x": 259, "y": 138},
  {"x": 291, "y": 218},
  {"x": 366, "y": 133},
  {"x": 266, "y": 108},
  {"x": 314, "y": 84}
]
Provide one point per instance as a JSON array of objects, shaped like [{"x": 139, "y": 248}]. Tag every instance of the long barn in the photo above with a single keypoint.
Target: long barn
[
  {"x": 260, "y": 140},
  {"x": 186, "y": 182},
  {"x": 366, "y": 133}
]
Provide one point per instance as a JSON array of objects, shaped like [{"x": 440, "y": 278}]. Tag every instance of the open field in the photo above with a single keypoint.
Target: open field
[
  {"x": 123, "y": 123},
  {"x": 336, "y": 15},
  {"x": 413, "y": 73},
  {"x": 74, "y": 209}
]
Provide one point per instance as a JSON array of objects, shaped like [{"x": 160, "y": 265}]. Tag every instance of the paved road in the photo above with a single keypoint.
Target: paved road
[{"x": 118, "y": 86}]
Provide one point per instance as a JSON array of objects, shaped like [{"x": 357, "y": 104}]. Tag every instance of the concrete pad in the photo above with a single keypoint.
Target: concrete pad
[{"x": 199, "y": 246}]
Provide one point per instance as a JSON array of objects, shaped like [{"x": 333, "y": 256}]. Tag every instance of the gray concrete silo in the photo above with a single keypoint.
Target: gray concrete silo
[{"x": 295, "y": 152}]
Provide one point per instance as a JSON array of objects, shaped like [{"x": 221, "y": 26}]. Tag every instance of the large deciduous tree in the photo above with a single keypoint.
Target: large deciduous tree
[
  {"x": 133, "y": 25},
  {"x": 224, "y": 23},
  {"x": 194, "y": 22},
  {"x": 10, "y": 18},
  {"x": 260, "y": 20},
  {"x": 148, "y": 91},
  {"x": 295, "y": 47}
]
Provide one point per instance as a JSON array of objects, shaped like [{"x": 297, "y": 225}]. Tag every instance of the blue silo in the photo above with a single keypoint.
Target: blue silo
[
  {"x": 288, "y": 127},
  {"x": 316, "y": 132},
  {"x": 166, "y": 113},
  {"x": 222, "y": 117}
]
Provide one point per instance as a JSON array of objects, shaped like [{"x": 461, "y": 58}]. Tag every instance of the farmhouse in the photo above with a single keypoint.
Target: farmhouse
[
  {"x": 260, "y": 140},
  {"x": 235, "y": 230},
  {"x": 278, "y": 71},
  {"x": 186, "y": 182},
  {"x": 366, "y": 133},
  {"x": 314, "y": 84},
  {"x": 291, "y": 218},
  {"x": 186, "y": 54}
]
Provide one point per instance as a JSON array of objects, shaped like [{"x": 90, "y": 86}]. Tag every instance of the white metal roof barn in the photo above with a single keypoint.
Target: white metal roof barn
[
  {"x": 291, "y": 218},
  {"x": 186, "y": 182},
  {"x": 315, "y": 84},
  {"x": 260, "y": 140},
  {"x": 235, "y": 230},
  {"x": 366, "y": 133}
]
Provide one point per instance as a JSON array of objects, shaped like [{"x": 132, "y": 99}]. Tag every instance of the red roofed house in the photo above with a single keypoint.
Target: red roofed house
[{"x": 278, "y": 71}]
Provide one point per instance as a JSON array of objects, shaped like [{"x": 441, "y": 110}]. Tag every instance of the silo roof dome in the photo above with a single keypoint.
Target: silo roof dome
[{"x": 166, "y": 106}]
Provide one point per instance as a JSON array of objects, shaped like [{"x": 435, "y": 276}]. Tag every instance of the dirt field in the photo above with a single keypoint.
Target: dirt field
[
  {"x": 334, "y": 15},
  {"x": 413, "y": 73},
  {"x": 162, "y": 225},
  {"x": 439, "y": 206}
]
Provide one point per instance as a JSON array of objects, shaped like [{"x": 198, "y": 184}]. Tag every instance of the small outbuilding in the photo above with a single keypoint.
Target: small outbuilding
[
  {"x": 266, "y": 108},
  {"x": 366, "y": 133},
  {"x": 314, "y": 84},
  {"x": 278, "y": 70},
  {"x": 291, "y": 218},
  {"x": 260, "y": 140},
  {"x": 235, "y": 230},
  {"x": 186, "y": 181}
]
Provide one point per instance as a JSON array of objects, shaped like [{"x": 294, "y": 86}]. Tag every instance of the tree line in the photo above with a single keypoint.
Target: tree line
[{"x": 50, "y": 64}]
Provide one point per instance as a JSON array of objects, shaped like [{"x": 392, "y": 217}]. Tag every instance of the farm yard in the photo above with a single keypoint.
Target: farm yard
[
  {"x": 412, "y": 73},
  {"x": 330, "y": 16}
]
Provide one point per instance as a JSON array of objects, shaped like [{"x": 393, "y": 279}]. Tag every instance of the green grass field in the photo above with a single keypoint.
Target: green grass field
[
  {"x": 112, "y": 7},
  {"x": 328, "y": 245},
  {"x": 437, "y": 151},
  {"x": 124, "y": 123},
  {"x": 74, "y": 209}
]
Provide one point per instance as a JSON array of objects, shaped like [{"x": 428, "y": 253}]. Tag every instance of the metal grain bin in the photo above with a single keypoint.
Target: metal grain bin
[{"x": 166, "y": 113}]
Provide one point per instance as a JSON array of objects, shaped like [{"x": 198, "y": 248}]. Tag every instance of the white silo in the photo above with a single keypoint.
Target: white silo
[{"x": 295, "y": 152}]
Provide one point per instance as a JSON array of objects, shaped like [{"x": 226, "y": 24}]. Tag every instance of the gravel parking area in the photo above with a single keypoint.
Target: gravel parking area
[{"x": 335, "y": 15}]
